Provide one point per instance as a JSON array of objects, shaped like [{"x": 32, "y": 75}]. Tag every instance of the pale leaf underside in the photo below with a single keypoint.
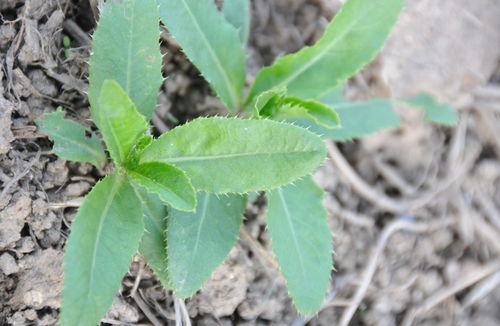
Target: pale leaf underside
[
  {"x": 357, "y": 119},
  {"x": 434, "y": 111}
]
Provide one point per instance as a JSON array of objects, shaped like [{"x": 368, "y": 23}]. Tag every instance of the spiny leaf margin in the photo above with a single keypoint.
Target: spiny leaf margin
[
  {"x": 230, "y": 155},
  {"x": 104, "y": 236},
  {"x": 344, "y": 48}
]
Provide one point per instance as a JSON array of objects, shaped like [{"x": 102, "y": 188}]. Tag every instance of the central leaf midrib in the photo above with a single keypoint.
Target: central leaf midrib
[
  {"x": 78, "y": 144},
  {"x": 198, "y": 235},
  {"x": 293, "y": 234},
  {"x": 228, "y": 156},
  {"x": 117, "y": 182},
  {"x": 149, "y": 210},
  {"x": 117, "y": 142},
  {"x": 129, "y": 51}
]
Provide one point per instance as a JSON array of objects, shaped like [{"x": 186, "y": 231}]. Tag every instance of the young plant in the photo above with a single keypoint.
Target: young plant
[{"x": 179, "y": 199}]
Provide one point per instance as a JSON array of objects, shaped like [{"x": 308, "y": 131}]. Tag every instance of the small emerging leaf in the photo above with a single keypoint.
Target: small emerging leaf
[
  {"x": 434, "y": 112},
  {"x": 198, "y": 242},
  {"x": 154, "y": 241},
  {"x": 237, "y": 13},
  {"x": 70, "y": 141},
  {"x": 350, "y": 41},
  {"x": 268, "y": 102},
  {"x": 104, "y": 237},
  {"x": 210, "y": 42},
  {"x": 135, "y": 153},
  {"x": 126, "y": 48},
  {"x": 316, "y": 111},
  {"x": 168, "y": 182},
  {"x": 302, "y": 242},
  {"x": 222, "y": 155},
  {"x": 276, "y": 105},
  {"x": 120, "y": 123}
]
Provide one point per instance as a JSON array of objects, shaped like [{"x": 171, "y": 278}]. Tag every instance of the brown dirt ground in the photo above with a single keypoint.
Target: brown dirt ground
[{"x": 415, "y": 211}]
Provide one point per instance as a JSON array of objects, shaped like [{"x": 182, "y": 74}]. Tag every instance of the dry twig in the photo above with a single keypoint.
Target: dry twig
[
  {"x": 145, "y": 309},
  {"x": 257, "y": 248},
  {"x": 360, "y": 186},
  {"x": 371, "y": 267},
  {"x": 445, "y": 293}
]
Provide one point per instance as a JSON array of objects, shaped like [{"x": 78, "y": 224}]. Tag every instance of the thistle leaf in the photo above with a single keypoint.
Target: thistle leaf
[
  {"x": 275, "y": 104},
  {"x": 70, "y": 141},
  {"x": 434, "y": 112},
  {"x": 119, "y": 122},
  {"x": 104, "y": 237},
  {"x": 268, "y": 103},
  {"x": 320, "y": 113},
  {"x": 211, "y": 43},
  {"x": 126, "y": 48},
  {"x": 358, "y": 119},
  {"x": 237, "y": 13},
  {"x": 222, "y": 155},
  {"x": 168, "y": 182},
  {"x": 350, "y": 41},
  {"x": 301, "y": 241},
  {"x": 154, "y": 241},
  {"x": 198, "y": 242}
]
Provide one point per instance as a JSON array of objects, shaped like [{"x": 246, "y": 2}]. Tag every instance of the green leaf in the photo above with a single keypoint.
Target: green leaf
[
  {"x": 120, "y": 123},
  {"x": 211, "y": 43},
  {"x": 276, "y": 105},
  {"x": 168, "y": 182},
  {"x": 126, "y": 48},
  {"x": 70, "y": 141},
  {"x": 154, "y": 241},
  {"x": 357, "y": 118},
  {"x": 104, "y": 237},
  {"x": 198, "y": 242},
  {"x": 316, "y": 111},
  {"x": 434, "y": 112},
  {"x": 268, "y": 102},
  {"x": 237, "y": 13},
  {"x": 222, "y": 155},
  {"x": 136, "y": 151},
  {"x": 301, "y": 241},
  {"x": 350, "y": 41}
]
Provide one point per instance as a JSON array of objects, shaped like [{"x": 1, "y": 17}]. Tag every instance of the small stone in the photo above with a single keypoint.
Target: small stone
[
  {"x": 8, "y": 264},
  {"x": 77, "y": 189},
  {"x": 6, "y": 135},
  {"x": 121, "y": 310},
  {"x": 12, "y": 219},
  {"x": 30, "y": 314},
  {"x": 25, "y": 245}
]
